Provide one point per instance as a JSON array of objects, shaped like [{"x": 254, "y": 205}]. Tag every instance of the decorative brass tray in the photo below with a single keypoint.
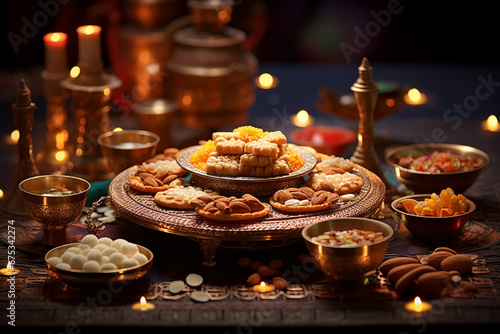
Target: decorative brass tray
[
  {"x": 141, "y": 209},
  {"x": 257, "y": 186}
]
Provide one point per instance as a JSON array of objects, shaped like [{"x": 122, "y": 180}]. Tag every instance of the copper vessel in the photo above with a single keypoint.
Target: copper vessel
[{"x": 210, "y": 73}]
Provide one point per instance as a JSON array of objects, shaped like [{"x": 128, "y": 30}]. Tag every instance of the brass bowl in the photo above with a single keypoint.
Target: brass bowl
[
  {"x": 347, "y": 263},
  {"x": 127, "y": 148},
  {"x": 101, "y": 278},
  {"x": 54, "y": 212},
  {"x": 432, "y": 228},
  {"x": 424, "y": 182},
  {"x": 257, "y": 186}
]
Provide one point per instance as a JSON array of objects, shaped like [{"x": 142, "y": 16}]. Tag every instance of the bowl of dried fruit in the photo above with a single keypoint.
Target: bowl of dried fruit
[
  {"x": 432, "y": 216},
  {"x": 430, "y": 167},
  {"x": 347, "y": 249}
]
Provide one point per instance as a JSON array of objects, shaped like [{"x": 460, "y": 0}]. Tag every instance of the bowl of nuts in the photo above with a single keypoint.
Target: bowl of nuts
[{"x": 347, "y": 249}]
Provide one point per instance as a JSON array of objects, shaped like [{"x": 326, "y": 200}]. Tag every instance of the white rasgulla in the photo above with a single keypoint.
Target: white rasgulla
[
  {"x": 66, "y": 257},
  {"x": 105, "y": 241},
  {"x": 85, "y": 252},
  {"x": 104, "y": 259},
  {"x": 108, "y": 251},
  {"x": 129, "y": 249},
  {"x": 95, "y": 255},
  {"x": 129, "y": 262},
  {"x": 54, "y": 261},
  {"x": 140, "y": 258},
  {"x": 91, "y": 266},
  {"x": 77, "y": 261},
  {"x": 100, "y": 247},
  {"x": 108, "y": 266},
  {"x": 117, "y": 259},
  {"x": 63, "y": 266},
  {"x": 90, "y": 240},
  {"x": 83, "y": 246},
  {"x": 75, "y": 250},
  {"x": 117, "y": 243}
]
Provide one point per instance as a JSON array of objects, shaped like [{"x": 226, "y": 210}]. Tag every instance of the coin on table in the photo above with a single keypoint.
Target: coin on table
[
  {"x": 176, "y": 286},
  {"x": 194, "y": 280},
  {"x": 200, "y": 296}
]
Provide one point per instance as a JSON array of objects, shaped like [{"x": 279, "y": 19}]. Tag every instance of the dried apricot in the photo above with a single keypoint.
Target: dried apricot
[
  {"x": 462, "y": 202},
  {"x": 407, "y": 205},
  {"x": 454, "y": 205},
  {"x": 428, "y": 211},
  {"x": 446, "y": 212}
]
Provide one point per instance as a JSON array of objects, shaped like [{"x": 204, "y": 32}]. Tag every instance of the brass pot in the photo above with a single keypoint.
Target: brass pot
[{"x": 210, "y": 73}]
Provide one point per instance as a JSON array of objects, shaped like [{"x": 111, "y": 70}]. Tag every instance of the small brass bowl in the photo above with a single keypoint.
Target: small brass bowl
[
  {"x": 54, "y": 201},
  {"x": 127, "y": 148},
  {"x": 347, "y": 263},
  {"x": 432, "y": 228},
  {"x": 101, "y": 278},
  {"x": 424, "y": 182}
]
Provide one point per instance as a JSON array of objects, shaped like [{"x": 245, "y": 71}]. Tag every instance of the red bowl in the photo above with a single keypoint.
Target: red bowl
[{"x": 330, "y": 140}]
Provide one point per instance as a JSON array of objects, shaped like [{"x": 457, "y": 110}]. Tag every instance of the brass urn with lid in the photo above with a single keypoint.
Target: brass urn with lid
[{"x": 210, "y": 73}]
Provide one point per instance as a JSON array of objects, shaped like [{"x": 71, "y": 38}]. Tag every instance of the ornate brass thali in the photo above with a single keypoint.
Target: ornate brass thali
[{"x": 141, "y": 209}]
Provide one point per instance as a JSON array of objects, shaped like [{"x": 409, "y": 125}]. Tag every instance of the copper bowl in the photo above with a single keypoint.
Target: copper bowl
[
  {"x": 432, "y": 228},
  {"x": 347, "y": 263},
  {"x": 54, "y": 212},
  {"x": 424, "y": 182},
  {"x": 101, "y": 278},
  {"x": 127, "y": 148}
]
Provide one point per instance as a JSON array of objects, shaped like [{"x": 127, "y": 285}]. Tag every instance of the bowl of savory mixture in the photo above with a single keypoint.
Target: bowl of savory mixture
[
  {"x": 347, "y": 248},
  {"x": 427, "y": 168}
]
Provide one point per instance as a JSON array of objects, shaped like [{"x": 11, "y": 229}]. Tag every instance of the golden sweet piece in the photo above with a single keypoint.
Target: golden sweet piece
[
  {"x": 179, "y": 197},
  {"x": 262, "y": 147},
  {"x": 231, "y": 146},
  {"x": 445, "y": 205},
  {"x": 222, "y": 164},
  {"x": 339, "y": 183},
  {"x": 276, "y": 137}
]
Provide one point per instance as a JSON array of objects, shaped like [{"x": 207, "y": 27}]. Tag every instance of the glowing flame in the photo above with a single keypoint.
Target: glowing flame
[
  {"x": 414, "y": 96},
  {"x": 262, "y": 284},
  {"x": 60, "y": 156},
  {"x": 74, "y": 72},
  {"x": 89, "y": 30},
  {"x": 1, "y": 193},
  {"x": 9, "y": 265},
  {"x": 142, "y": 301},
  {"x": 417, "y": 301},
  {"x": 117, "y": 129},
  {"x": 14, "y": 136},
  {"x": 492, "y": 123},
  {"x": 303, "y": 116},
  {"x": 55, "y": 37},
  {"x": 266, "y": 80}
]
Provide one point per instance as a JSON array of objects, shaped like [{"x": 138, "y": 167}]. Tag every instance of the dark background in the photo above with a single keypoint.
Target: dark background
[{"x": 296, "y": 30}]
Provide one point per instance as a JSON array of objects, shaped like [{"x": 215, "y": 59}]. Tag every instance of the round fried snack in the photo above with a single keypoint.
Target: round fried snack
[
  {"x": 301, "y": 208},
  {"x": 235, "y": 217},
  {"x": 338, "y": 183}
]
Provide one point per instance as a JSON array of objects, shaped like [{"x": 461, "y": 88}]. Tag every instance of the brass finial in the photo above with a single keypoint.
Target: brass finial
[
  {"x": 365, "y": 81},
  {"x": 23, "y": 95}
]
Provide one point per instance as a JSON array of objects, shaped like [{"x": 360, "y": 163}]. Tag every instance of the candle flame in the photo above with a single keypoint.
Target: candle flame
[
  {"x": 1, "y": 193},
  {"x": 117, "y": 129},
  {"x": 74, "y": 72},
  {"x": 417, "y": 301},
  {"x": 302, "y": 116},
  {"x": 143, "y": 301},
  {"x": 60, "y": 156},
  {"x": 55, "y": 37},
  {"x": 492, "y": 123},
  {"x": 266, "y": 80},
  {"x": 414, "y": 95},
  {"x": 9, "y": 265},
  {"x": 14, "y": 135},
  {"x": 263, "y": 284},
  {"x": 88, "y": 30}
]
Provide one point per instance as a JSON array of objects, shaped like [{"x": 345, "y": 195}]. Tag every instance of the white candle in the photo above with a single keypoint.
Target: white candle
[
  {"x": 418, "y": 306},
  {"x": 263, "y": 287},
  {"x": 143, "y": 305},
  {"x": 89, "y": 47},
  {"x": 56, "y": 60}
]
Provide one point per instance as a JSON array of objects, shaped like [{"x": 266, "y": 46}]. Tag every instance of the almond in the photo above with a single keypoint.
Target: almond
[
  {"x": 265, "y": 271},
  {"x": 460, "y": 262},
  {"x": 327, "y": 185},
  {"x": 253, "y": 279},
  {"x": 394, "y": 262},
  {"x": 307, "y": 191},
  {"x": 255, "y": 264},
  {"x": 253, "y": 203},
  {"x": 239, "y": 207},
  {"x": 275, "y": 264},
  {"x": 205, "y": 198},
  {"x": 299, "y": 195},
  {"x": 397, "y": 272},
  {"x": 435, "y": 259},
  {"x": 150, "y": 181},
  {"x": 318, "y": 198},
  {"x": 221, "y": 205},
  {"x": 431, "y": 285},
  {"x": 445, "y": 249},
  {"x": 332, "y": 198},
  {"x": 197, "y": 203},
  {"x": 145, "y": 175},
  {"x": 162, "y": 173},
  {"x": 169, "y": 178},
  {"x": 243, "y": 262},
  {"x": 160, "y": 182},
  {"x": 469, "y": 287},
  {"x": 407, "y": 279},
  {"x": 280, "y": 283},
  {"x": 282, "y": 196}
]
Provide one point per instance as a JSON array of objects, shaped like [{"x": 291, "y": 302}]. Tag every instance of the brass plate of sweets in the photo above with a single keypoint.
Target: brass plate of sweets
[
  {"x": 141, "y": 209},
  {"x": 239, "y": 185}
]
